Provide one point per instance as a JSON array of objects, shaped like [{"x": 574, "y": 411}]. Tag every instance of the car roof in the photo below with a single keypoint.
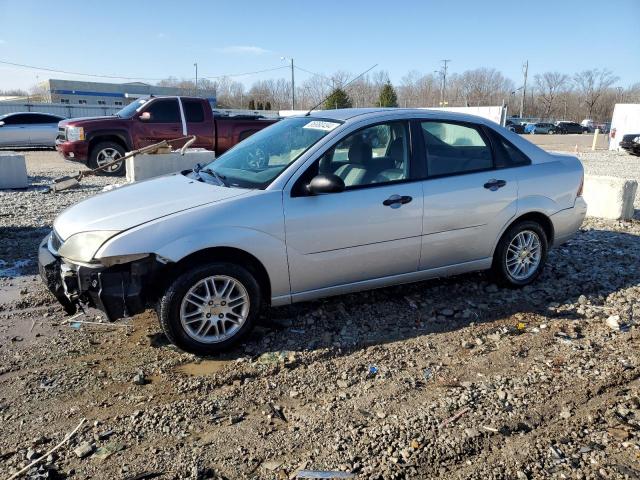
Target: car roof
[
  {"x": 347, "y": 114},
  {"x": 30, "y": 113}
]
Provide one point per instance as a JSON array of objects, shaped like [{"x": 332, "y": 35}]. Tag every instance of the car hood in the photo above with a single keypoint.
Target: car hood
[
  {"x": 86, "y": 121},
  {"x": 132, "y": 205}
]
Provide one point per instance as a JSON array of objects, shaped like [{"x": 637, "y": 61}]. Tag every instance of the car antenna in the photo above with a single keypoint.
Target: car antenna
[{"x": 343, "y": 86}]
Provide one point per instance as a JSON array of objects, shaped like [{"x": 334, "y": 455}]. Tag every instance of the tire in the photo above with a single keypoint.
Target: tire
[
  {"x": 102, "y": 152},
  {"x": 504, "y": 257},
  {"x": 180, "y": 318}
]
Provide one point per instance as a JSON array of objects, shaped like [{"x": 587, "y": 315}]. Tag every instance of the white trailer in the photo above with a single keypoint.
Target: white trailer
[{"x": 625, "y": 120}]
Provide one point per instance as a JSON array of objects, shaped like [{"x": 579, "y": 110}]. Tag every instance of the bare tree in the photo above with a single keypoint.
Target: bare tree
[
  {"x": 549, "y": 86},
  {"x": 591, "y": 85},
  {"x": 483, "y": 86}
]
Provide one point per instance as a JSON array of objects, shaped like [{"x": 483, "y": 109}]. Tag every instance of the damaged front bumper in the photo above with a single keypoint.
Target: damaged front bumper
[{"x": 119, "y": 291}]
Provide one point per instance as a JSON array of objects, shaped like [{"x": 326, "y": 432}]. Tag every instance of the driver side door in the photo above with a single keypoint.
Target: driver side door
[{"x": 370, "y": 230}]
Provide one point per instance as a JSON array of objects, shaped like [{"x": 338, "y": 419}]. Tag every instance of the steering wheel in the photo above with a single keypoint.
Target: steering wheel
[{"x": 258, "y": 159}]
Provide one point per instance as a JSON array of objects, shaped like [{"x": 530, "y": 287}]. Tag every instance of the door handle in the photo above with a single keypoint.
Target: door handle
[
  {"x": 494, "y": 184},
  {"x": 395, "y": 201}
]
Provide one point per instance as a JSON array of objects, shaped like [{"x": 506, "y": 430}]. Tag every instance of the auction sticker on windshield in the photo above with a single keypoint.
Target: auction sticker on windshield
[{"x": 321, "y": 125}]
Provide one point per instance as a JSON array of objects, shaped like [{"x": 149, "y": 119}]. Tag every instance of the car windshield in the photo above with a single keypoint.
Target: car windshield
[
  {"x": 130, "y": 109},
  {"x": 258, "y": 160}
]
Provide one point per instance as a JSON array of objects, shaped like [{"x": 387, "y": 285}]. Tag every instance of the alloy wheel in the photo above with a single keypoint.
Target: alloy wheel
[
  {"x": 214, "y": 309},
  {"x": 523, "y": 255},
  {"x": 108, "y": 155}
]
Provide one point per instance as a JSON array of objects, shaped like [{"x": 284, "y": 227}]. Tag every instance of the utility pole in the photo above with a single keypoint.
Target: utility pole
[
  {"x": 444, "y": 80},
  {"x": 525, "y": 70},
  {"x": 196, "y": 65},
  {"x": 293, "y": 88}
]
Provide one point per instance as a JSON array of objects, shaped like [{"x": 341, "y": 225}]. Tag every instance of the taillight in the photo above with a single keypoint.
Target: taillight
[{"x": 581, "y": 186}]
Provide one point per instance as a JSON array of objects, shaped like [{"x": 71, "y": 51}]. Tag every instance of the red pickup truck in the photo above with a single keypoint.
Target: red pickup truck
[{"x": 98, "y": 140}]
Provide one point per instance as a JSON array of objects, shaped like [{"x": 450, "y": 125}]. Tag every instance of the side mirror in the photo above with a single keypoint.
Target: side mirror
[
  {"x": 325, "y": 183},
  {"x": 145, "y": 116}
]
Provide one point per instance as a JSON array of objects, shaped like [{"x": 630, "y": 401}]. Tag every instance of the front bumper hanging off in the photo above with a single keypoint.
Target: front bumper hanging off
[{"x": 120, "y": 291}]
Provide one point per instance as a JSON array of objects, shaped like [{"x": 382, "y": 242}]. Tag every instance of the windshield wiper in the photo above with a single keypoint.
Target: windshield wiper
[{"x": 219, "y": 177}]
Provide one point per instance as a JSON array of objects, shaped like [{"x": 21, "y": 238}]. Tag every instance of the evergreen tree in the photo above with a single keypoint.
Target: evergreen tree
[
  {"x": 260, "y": 106},
  {"x": 337, "y": 99},
  {"x": 388, "y": 97},
  {"x": 252, "y": 104},
  {"x": 267, "y": 106}
]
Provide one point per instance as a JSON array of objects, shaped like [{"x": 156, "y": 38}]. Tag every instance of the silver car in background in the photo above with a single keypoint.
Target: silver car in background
[
  {"x": 323, "y": 204},
  {"x": 29, "y": 129}
]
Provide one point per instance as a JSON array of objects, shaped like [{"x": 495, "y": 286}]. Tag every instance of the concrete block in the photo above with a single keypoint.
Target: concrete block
[
  {"x": 142, "y": 167},
  {"x": 609, "y": 197},
  {"x": 13, "y": 171}
]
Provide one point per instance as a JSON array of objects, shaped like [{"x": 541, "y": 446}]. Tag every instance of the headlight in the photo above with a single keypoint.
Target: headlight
[
  {"x": 81, "y": 247},
  {"x": 637, "y": 139},
  {"x": 75, "y": 134}
]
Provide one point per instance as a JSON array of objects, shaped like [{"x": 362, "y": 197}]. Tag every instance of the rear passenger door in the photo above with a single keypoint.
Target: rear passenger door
[
  {"x": 467, "y": 198},
  {"x": 194, "y": 116},
  {"x": 43, "y": 130}
]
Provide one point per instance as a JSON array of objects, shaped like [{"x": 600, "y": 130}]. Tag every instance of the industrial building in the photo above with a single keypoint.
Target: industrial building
[{"x": 110, "y": 94}]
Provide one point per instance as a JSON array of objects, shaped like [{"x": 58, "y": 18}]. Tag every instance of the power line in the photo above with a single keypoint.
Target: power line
[
  {"x": 122, "y": 77},
  {"x": 246, "y": 73}
]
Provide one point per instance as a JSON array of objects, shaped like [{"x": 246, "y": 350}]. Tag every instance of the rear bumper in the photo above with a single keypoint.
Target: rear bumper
[
  {"x": 120, "y": 291},
  {"x": 75, "y": 151},
  {"x": 567, "y": 222}
]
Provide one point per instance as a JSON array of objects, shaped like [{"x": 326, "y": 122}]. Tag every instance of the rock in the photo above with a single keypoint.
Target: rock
[
  {"x": 565, "y": 413},
  {"x": 447, "y": 312},
  {"x": 343, "y": 383},
  {"x": 380, "y": 414},
  {"x": 139, "y": 378},
  {"x": 613, "y": 322},
  {"x": 294, "y": 394},
  {"x": 618, "y": 434},
  {"x": 84, "y": 450},
  {"x": 32, "y": 454}
]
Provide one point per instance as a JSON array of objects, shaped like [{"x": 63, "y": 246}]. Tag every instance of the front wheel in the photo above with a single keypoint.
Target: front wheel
[
  {"x": 520, "y": 255},
  {"x": 104, "y": 153},
  {"x": 210, "y": 308}
]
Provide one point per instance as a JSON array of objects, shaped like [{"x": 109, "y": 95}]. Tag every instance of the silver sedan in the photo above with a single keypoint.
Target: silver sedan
[
  {"x": 322, "y": 204},
  {"x": 29, "y": 129}
]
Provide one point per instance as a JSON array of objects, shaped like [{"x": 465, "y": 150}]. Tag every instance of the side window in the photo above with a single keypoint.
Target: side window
[
  {"x": 164, "y": 111},
  {"x": 20, "y": 119},
  {"x": 45, "y": 119},
  {"x": 507, "y": 155},
  {"x": 454, "y": 149},
  {"x": 193, "y": 111},
  {"x": 374, "y": 155}
]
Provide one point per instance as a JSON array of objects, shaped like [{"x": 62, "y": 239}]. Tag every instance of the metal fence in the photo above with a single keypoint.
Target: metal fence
[{"x": 63, "y": 109}]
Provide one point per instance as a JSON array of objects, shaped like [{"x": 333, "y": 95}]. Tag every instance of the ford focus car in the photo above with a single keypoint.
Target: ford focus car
[{"x": 317, "y": 205}]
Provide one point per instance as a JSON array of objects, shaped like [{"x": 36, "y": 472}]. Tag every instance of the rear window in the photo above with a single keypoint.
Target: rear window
[{"x": 193, "y": 111}]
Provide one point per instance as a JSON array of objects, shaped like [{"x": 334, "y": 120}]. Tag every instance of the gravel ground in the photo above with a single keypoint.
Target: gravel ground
[{"x": 454, "y": 378}]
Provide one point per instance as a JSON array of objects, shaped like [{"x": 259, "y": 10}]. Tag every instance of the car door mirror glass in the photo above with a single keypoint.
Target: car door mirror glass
[
  {"x": 145, "y": 116},
  {"x": 325, "y": 183}
]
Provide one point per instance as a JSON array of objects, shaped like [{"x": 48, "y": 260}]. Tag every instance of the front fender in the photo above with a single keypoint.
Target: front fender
[{"x": 254, "y": 224}]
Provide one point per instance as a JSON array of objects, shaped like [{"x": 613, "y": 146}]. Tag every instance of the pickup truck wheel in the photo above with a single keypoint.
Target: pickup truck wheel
[
  {"x": 106, "y": 152},
  {"x": 520, "y": 255},
  {"x": 210, "y": 308}
]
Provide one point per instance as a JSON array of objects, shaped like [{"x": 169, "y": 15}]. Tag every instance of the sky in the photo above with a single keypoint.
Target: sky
[{"x": 150, "y": 40}]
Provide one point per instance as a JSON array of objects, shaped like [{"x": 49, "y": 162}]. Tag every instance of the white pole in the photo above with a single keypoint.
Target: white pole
[{"x": 595, "y": 139}]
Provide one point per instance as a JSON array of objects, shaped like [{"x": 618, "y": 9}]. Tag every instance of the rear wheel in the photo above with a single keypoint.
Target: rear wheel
[
  {"x": 107, "y": 152},
  {"x": 520, "y": 255},
  {"x": 210, "y": 308}
]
